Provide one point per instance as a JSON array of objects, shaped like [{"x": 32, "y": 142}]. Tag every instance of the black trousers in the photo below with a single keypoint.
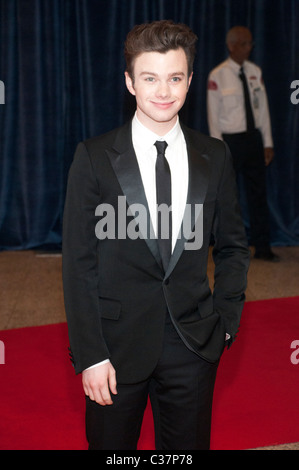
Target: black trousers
[
  {"x": 181, "y": 392},
  {"x": 248, "y": 158}
]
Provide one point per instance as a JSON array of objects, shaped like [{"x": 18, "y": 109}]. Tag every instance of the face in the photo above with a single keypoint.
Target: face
[
  {"x": 240, "y": 49},
  {"x": 160, "y": 86}
]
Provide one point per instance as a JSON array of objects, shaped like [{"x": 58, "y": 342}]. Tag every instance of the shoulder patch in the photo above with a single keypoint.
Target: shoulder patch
[{"x": 212, "y": 85}]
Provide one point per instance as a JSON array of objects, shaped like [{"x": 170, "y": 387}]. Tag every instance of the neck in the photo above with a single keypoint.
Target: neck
[
  {"x": 238, "y": 61},
  {"x": 159, "y": 128}
]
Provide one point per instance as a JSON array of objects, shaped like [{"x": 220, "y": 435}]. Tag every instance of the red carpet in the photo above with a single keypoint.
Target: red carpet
[{"x": 255, "y": 402}]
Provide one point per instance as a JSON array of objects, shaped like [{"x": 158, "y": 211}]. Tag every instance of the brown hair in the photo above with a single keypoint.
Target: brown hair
[{"x": 159, "y": 36}]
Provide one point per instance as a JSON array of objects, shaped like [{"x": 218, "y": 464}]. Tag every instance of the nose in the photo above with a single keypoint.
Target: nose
[
  {"x": 162, "y": 90},
  {"x": 248, "y": 45}
]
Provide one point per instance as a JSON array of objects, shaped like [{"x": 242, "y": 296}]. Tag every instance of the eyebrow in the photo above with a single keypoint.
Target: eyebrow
[{"x": 175, "y": 74}]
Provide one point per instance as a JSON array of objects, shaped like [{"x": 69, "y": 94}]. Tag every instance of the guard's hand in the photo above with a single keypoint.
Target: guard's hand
[
  {"x": 98, "y": 382},
  {"x": 268, "y": 155}
]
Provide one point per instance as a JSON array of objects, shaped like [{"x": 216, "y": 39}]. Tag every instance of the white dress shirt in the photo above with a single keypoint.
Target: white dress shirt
[
  {"x": 225, "y": 100},
  {"x": 177, "y": 157}
]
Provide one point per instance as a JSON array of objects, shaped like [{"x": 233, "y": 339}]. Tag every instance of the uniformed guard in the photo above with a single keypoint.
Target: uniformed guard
[{"x": 238, "y": 113}]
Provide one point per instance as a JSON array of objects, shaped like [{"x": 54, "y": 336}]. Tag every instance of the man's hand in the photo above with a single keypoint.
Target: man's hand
[
  {"x": 98, "y": 382},
  {"x": 269, "y": 155}
]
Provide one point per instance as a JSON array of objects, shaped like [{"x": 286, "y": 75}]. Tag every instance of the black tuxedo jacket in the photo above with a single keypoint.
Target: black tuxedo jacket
[{"x": 116, "y": 292}]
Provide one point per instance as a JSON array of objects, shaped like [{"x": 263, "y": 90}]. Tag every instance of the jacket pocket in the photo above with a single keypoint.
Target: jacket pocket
[
  {"x": 109, "y": 309},
  {"x": 205, "y": 307}
]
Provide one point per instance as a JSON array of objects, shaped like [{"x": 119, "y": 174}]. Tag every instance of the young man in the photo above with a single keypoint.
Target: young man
[{"x": 142, "y": 319}]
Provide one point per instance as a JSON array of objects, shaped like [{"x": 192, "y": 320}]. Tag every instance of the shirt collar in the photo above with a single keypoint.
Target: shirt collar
[
  {"x": 142, "y": 136},
  {"x": 235, "y": 66}
]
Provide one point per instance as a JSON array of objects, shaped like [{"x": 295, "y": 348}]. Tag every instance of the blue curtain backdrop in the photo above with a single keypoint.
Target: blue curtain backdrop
[{"x": 62, "y": 66}]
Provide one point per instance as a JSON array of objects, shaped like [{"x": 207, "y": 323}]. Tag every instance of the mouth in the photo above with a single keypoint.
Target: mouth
[{"x": 162, "y": 105}]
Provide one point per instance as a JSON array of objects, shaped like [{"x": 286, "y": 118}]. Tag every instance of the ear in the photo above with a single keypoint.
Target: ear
[
  {"x": 230, "y": 47},
  {"x": 129, "y": 84},
  {"x": 189, "y": 80}
]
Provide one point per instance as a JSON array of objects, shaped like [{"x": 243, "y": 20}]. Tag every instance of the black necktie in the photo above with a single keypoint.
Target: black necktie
[
  {"x": 163, "y": 189},
  {"x": 248, "y": 109}
]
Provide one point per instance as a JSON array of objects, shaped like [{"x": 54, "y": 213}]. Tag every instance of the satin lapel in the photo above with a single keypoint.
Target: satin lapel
[
  {"x": 125, "y": 165},
  {"x": 198, "y": 184}
]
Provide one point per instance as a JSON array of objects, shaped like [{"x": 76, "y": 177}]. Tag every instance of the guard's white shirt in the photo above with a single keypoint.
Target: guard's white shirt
[{"x": 225, "y": 100}]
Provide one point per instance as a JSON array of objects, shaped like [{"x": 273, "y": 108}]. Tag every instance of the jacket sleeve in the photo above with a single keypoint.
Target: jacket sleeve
[
  {"x": 79, "y": 264},
  {"x": 230, "y": 252}
]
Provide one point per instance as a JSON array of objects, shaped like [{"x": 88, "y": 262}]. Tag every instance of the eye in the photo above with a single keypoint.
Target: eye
[
  {"x": 150, "y": 79},
  {"x": 176, "y": 79}
]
